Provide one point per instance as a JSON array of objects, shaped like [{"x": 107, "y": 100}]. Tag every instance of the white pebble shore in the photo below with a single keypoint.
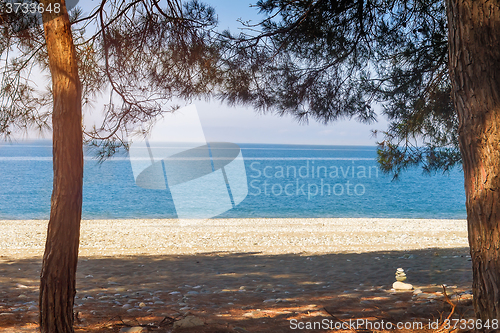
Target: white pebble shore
[{"x": 22, "y": 238}]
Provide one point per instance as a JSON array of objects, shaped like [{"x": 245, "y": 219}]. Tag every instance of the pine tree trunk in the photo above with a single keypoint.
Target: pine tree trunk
[
  {"x": 474, "y": 46},
  {"x": 58, "y": 274}
]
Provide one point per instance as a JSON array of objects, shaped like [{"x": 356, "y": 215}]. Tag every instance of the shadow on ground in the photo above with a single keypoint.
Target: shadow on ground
[{"x": 247, "y": 292}]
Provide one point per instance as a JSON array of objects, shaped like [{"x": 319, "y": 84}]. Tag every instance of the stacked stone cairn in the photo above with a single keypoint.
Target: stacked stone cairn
[{"x": 400, "y": 278}]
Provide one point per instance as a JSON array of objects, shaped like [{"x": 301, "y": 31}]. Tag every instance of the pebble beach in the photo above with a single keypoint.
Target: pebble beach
[
  {"x": 20, "y": 238},
  {"x": 238, "y": 275}
]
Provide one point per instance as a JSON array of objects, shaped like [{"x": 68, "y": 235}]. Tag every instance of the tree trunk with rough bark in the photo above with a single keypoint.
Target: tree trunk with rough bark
[
  {"x": 474, "y": 46},
  {"x": 58, "y": 274}
]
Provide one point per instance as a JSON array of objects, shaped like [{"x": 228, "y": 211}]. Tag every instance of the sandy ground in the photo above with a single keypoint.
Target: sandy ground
[{"x": 249, "y": 275}]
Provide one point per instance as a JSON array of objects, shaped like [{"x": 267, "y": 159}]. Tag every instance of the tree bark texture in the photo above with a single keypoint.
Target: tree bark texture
[
  {"x": 474, "y": 46},
  {"x": 58, "y": 274}
]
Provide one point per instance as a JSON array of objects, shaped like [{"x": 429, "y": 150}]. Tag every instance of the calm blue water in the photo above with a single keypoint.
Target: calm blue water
[{"x": 283, "y": 181}]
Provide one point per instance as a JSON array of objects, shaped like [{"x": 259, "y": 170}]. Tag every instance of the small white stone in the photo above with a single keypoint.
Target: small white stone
[{"x": 398, "y": 285}]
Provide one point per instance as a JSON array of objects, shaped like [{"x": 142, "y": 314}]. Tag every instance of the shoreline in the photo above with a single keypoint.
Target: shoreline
[{"x": 99, "y": 238}]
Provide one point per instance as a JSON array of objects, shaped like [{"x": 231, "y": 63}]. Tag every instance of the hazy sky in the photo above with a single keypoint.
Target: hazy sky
[
  {"x": 244, "y": 125},
  {"x": 240, "y": 124}
]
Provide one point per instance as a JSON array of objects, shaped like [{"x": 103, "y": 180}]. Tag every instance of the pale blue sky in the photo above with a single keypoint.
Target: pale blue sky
[{"x": 243, "y": 124}]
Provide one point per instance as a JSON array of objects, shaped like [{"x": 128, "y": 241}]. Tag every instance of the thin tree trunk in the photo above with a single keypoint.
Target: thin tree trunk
[
  {"x": 474, "y": 46},
  {"x": 58, "y": 274}
]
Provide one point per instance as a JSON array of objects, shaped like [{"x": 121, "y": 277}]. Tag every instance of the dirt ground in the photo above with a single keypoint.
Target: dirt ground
[{"x": 249, "y": 292}]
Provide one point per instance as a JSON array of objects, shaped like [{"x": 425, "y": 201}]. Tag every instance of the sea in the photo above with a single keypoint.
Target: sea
[{"x": 282, "y": 181}]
